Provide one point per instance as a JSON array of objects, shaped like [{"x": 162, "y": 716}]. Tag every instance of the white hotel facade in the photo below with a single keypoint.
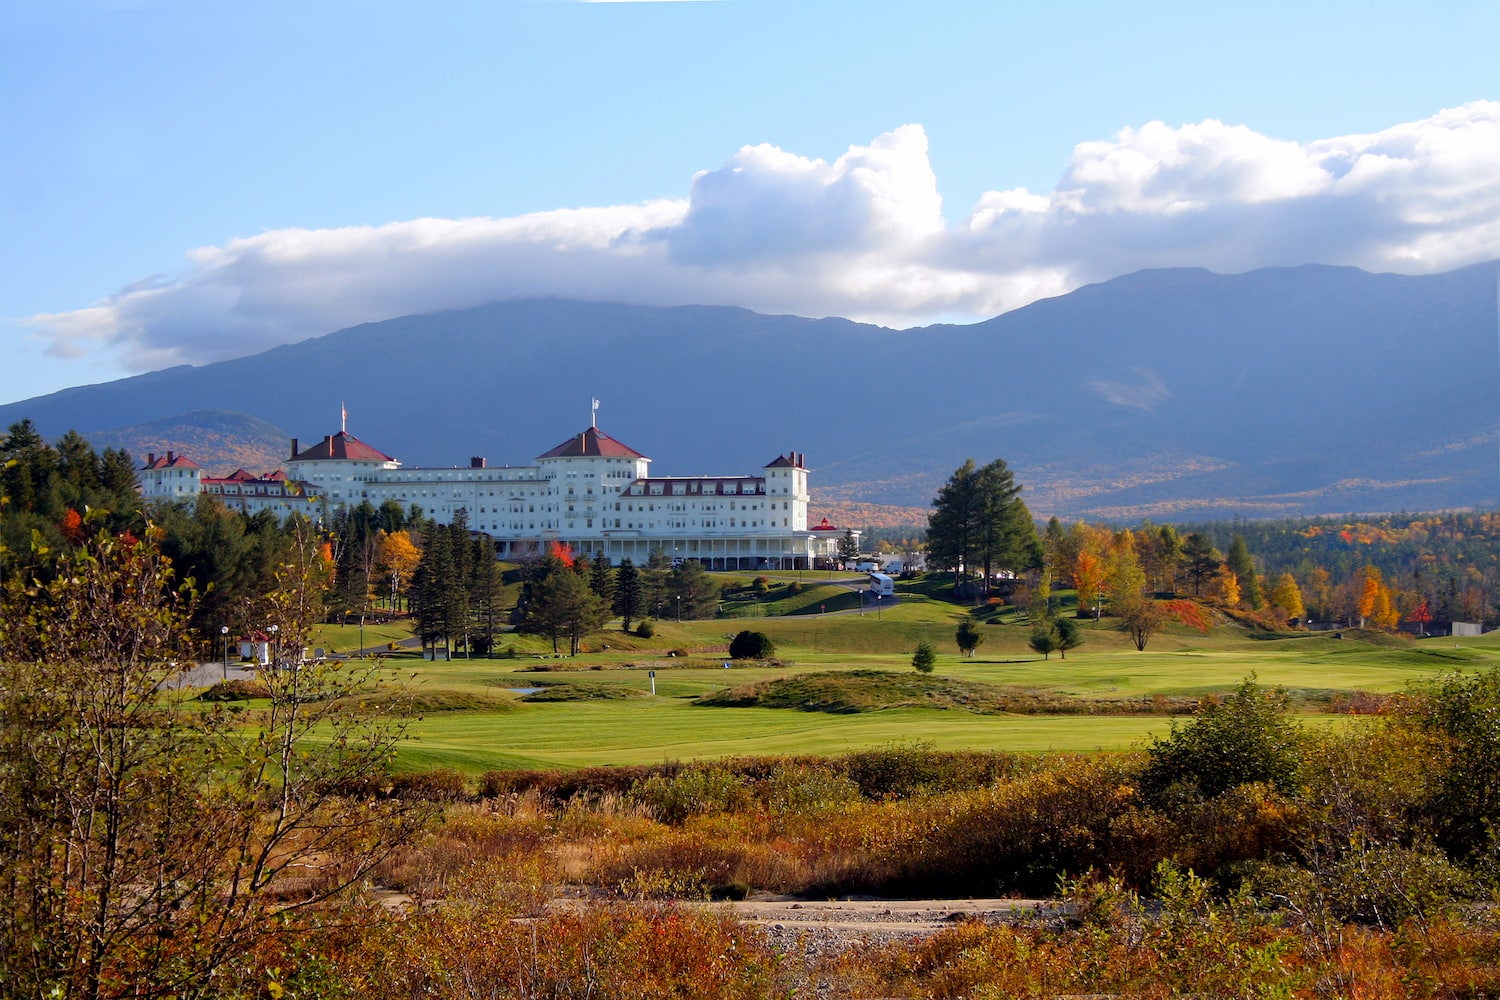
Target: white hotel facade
[{"x": 591, "y": 493}]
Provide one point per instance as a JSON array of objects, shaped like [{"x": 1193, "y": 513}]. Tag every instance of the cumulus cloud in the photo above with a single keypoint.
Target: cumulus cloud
[{"x": 862, "y": 236}]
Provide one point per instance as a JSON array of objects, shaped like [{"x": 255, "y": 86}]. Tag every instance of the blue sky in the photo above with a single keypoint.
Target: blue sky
[{"x": 185, "y": 182}]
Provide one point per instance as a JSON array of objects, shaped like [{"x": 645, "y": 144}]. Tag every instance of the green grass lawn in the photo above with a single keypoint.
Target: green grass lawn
[
  {"x": 669, "y": 726},
  {"x": 346, "y": 637}
]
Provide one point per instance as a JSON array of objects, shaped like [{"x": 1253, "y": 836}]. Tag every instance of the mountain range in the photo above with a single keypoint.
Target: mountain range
[{"x": 1171, "y": 394}]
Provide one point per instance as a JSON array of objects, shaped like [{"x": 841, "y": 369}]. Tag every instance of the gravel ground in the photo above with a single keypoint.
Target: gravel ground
[{"x": 814, "y": 933}]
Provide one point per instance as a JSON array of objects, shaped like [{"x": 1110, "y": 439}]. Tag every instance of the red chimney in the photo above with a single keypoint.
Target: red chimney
[
  {"x": 294, "y": 447},
  {"x": 170, "y": 458},
  {"x": 150, "y": 458}
]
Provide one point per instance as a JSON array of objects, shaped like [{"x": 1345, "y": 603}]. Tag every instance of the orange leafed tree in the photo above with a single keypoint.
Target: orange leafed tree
[
  {"x": 1369, "y": 594},
  {"x": 1088, "y": 579},
  {"x": 561, "y": 552},
  {"x": 1227, "y": 587}
]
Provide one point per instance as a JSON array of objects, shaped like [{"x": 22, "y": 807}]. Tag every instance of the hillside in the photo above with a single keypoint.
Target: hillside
[
  {"x": 218, "y": 440},
  {"x": 1169, "y": 394}
]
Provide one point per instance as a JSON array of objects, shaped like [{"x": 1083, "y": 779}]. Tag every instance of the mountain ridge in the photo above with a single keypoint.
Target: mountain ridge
[{"x": 1304, "y": 390}]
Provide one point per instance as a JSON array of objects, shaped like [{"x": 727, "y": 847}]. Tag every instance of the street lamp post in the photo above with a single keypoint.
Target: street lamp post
[
  {"x": 224, "y": 634},
  {"x": 877, "y": 606},
  {"x": 679, "y": 609},
  {"x": 275, "y": 647}
]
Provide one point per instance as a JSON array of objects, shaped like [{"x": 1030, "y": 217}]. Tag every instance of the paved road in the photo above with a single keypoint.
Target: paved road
[{"x": 205, "y": 674}]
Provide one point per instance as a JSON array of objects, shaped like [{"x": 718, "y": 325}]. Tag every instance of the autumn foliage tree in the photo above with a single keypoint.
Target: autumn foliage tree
[
  {"x": 396, "y": 559},
  {"x": 146, "y": 842},
  {"x": 1140, "y": 618},
  {"x": 1089, "y": 576},
  {"x": 1287, "y": 596}
]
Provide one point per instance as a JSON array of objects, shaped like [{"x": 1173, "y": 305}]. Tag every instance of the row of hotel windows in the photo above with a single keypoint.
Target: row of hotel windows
[{"x": 628, "y": 525}]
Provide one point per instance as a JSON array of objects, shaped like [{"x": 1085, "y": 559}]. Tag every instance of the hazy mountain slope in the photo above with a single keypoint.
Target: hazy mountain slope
[
  {"x": 218, "y": 440},
  {"x": 1294, "y": 390}
]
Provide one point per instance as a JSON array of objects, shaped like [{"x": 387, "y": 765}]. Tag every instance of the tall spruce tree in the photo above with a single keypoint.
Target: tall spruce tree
[
  {"x": 485, "y": 590},
  {"x": 1243, "y": 566},
  {"x": 1201, "y": 560},
  {"x": 602, "y": 578},
  {"x": 562, "y": 604},
  {"x": 627, "y": 592},
  {"x": 692, "y": 593},
  {"x": 979, "y": 523}
]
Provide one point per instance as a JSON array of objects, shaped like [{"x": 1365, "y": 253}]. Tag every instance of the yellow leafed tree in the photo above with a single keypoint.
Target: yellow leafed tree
[
  {"x": 1369, "y": 594},
  {"x": 396, "y": 557},
  {"x": 1287, "y": 596},
  {"x": 1227, "y": 587}
]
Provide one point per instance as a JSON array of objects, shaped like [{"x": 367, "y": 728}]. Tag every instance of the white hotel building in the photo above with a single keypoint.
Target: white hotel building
[{"x": 591, "y": 493}]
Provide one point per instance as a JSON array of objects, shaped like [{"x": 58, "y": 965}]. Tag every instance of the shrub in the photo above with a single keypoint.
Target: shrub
[
  {"x": 923, "y": 660},
  {"x": 1018, "y": 836},
  {"x": 1378, "y": 886},
  {"x": 693, "y": 792},
  {"x": 441, "y": 785},
  {"x": 899, "y": 771},
  {"x": 239, "y": 689},
  {"x": 749, "y": 645},
  {"x": 1461, "y": 714},
  {"x": 1243, "y": 738},
  {"x": 794, "y": 789},
  {"x": 645, "y": 629}
]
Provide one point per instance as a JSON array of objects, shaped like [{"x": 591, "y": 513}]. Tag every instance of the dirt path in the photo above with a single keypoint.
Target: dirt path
[{"x": 884, "y": 917}]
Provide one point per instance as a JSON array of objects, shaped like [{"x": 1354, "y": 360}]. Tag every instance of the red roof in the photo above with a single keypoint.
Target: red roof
[
  {"x": 823, "y": 525},
  {"x": 171, "y": 460},
  {"x": 342, "y": 445},
  {"x": 592, "y": 443}
]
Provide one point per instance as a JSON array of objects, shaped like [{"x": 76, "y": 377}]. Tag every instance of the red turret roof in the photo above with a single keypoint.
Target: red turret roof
[
  {"x": 342, "y": 445},
  {"x": 823, "y": 525},
  {"x": 791, "y": 460},
  {"x": 171, "y": 460},
  {"x": 592, "y": 443}
]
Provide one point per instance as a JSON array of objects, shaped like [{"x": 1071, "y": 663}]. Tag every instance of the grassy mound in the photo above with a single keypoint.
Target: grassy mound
[
  {"x": 427, "y": 701},
  {"x": 584, "y": 692},
  {"x": 849, "y": 692}
]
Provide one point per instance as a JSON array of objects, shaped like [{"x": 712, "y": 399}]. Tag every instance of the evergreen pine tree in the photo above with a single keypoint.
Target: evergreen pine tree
[
  {"x": 627, "y": 593},
  {"x": 1243, "y": 567}
]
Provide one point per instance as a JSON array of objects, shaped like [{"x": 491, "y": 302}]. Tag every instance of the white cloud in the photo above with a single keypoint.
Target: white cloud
[{"x": 862, "y": 236}]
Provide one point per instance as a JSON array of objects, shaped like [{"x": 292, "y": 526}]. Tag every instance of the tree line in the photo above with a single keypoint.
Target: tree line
[{"x": 1366, "y": 574}]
